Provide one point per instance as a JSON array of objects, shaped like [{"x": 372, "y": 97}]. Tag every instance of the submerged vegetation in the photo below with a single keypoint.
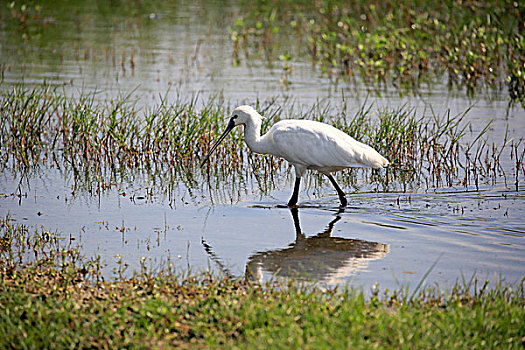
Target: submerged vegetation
[
  {"x": 89, "y": 136},
  {"x": 50, "y": 296},
  {"x": 471, "y": 45}
]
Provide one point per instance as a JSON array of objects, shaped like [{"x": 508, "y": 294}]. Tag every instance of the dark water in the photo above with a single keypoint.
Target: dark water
[{"x": 183, "y": 49}]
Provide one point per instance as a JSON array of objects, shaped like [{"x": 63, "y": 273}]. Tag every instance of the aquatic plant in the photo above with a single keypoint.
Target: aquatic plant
[
  {"x": 89, "y": 136},
  {"x": 477, "y": 47}
]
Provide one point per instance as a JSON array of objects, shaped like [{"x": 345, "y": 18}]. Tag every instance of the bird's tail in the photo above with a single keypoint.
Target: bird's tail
[
  {"x": 384, "y": 162},
  {"x": 376, "y": 160}
]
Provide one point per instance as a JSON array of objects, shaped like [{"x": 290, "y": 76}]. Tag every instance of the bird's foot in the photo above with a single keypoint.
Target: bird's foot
[{"x": 292, "y": 204}]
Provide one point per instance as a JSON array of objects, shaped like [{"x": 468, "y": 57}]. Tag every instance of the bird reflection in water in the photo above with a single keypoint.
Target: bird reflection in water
[{"x": 320, "y": 258}]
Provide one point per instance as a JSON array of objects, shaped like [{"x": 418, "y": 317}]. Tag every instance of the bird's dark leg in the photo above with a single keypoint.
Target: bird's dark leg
[
  {"x": 295, "y": 216},
  {"x": 340, "y": 192},
  {"x": 295, "y": 196}
]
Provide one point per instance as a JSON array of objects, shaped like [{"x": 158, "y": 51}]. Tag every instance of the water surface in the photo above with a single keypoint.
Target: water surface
[{"x": 183, "y": 49}]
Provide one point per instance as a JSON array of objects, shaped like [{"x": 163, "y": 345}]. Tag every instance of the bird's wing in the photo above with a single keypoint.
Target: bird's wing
[
  {"x": 320, "y": 146},
  {"x": 307, "y": 144}
]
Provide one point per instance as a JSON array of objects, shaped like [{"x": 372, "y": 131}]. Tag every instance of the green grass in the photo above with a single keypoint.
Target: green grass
[
  {"x": 52, "y": 297},
  {"x": 101, "y": 140},
  {"x": 41, "y": 309},
  {"x": 37, "y": 311},
  {"x": 470, "y": 46}
]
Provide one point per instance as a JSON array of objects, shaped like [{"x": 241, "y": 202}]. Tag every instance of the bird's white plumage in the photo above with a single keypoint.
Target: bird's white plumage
[
  {"x": 308, "y": 144},
  {"x": 321, "y": 147}
]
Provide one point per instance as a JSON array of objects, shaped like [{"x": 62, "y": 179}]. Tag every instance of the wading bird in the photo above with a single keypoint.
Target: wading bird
[{"x": 305, "y": 144}]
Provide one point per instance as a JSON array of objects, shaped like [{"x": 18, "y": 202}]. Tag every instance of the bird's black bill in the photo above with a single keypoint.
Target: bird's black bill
[{"x": 229, "y": 128}]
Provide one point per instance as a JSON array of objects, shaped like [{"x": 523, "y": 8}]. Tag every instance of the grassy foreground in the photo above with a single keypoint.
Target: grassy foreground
[
  {"x": 43, "y": 309},
  {"x": 52, "y": 297}
]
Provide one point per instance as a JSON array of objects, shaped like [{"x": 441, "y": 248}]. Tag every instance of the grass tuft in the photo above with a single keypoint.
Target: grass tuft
[
  {"x": 475, "y": 47},
  {"x": 104, "y": 140}
]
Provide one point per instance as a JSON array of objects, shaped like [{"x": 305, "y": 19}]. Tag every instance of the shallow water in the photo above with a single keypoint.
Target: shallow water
[{"x": 182, "y": 49}]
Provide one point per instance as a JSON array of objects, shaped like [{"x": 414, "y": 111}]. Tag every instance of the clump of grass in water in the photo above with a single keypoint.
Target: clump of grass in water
[
  {"x": 404, "y": 44},
  {"x": 113, "y": 137},
  {"x": 85, "y": 131},
  {"x": 39, "y": 250},
  {"x": 46, "y": 302}
]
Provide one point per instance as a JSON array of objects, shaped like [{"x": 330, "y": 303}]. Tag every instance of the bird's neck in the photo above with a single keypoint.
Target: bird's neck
[{"x": 253, "y": 138}]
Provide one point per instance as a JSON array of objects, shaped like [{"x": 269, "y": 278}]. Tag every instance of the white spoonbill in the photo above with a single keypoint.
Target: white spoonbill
[{"x": 305, "y": 144}]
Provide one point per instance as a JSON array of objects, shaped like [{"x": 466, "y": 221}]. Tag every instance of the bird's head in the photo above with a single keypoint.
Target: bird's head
[{"x": 241, "y": 115}]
